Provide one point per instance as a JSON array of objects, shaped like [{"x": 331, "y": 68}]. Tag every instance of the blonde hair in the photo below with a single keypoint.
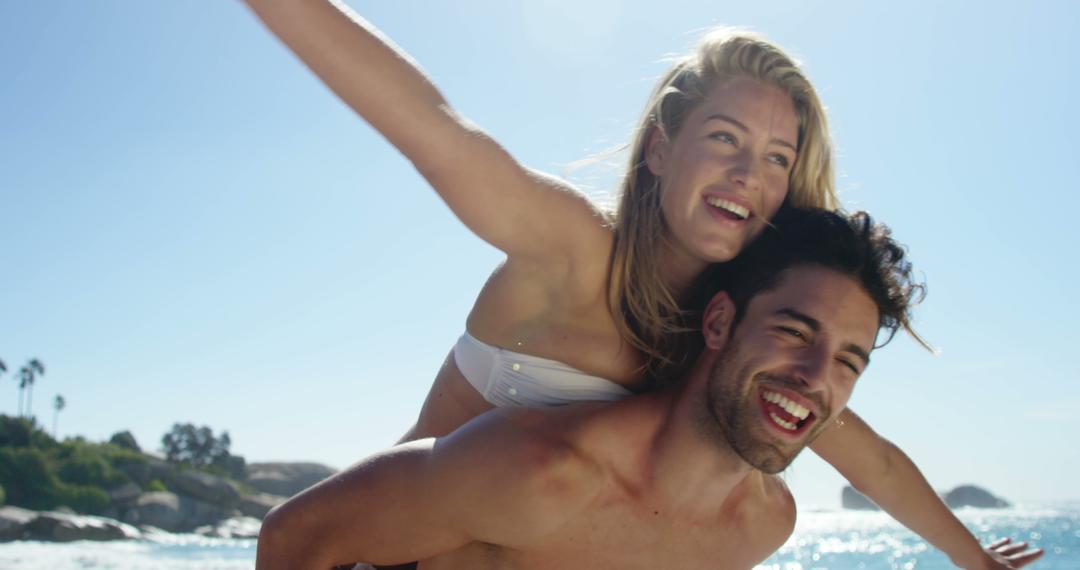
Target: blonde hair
[{"x": 644, "y": 309}]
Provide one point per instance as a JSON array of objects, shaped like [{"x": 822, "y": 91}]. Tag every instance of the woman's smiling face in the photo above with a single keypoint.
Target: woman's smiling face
[{"x": 726, "y": 171}]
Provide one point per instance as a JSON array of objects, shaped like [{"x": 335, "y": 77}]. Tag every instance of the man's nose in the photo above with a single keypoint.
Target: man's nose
[{"x": 812, "y": 368}]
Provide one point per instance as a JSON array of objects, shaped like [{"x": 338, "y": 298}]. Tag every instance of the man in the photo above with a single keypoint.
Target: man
[{"x": 681, "y": 478}]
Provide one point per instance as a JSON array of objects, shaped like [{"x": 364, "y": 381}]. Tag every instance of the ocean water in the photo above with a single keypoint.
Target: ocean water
[
  {"x": 823, "y": 540},
  {"x": 842, "y": 540}
]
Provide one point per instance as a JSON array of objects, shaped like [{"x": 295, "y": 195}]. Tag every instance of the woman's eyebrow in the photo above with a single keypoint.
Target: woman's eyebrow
[{"x": 742, "y": 127}]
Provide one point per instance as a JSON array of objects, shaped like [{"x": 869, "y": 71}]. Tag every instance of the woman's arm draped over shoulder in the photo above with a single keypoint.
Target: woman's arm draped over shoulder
[{"x": 517, "y": 210}]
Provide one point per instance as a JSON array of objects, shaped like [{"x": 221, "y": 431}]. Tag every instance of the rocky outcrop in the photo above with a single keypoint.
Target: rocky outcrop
[
  {"x": 124, "y": 495},
  {"x": 962, "y": 496},
  {"x": 852, "y": 499},
  {"x": 175, "y": 513},
  {"x": 195, "y": 501},
  {"x": 62, "y": 527},
  {"x": 145, "y": 471},
  {"x": 286, "y": 479},
  {"x": 203, "y": 487},
  {"x": 972, "y": 496},
  {"x": 13, "y": 522},
  {"x": 259, "y": 504},
  {"x": 55, "y": 526},
  {"x": 236, "y": 527},
  {"x": 159, "y": 509}
]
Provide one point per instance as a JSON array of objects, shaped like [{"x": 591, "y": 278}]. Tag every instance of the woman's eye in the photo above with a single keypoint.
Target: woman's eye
[
  {"x": 780, "y": 160},
  {"x": 724, "y": 137}
]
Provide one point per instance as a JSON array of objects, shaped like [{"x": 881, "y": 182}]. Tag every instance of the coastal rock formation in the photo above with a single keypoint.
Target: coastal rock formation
[
  {"x": 962, "y": 496},
  {"x": 63, "y": 527},
  {"x": 145, "y": 471},
  {"x": 203, "y": 487},
  {"x": 160, "y": 509},
  {"x": 972, "y": 496},
  {"x": 124, "y": 495},
  {"x": 13, "y": 522},
  {"x": 55, "y": 526},
  {"x": 854, "y": 500},
  {"x": 286, "y": 479},
  {"x": 236, "y": 527},
  {"x": 175, "y": 513},
  {"x": 259, "y": 504}
]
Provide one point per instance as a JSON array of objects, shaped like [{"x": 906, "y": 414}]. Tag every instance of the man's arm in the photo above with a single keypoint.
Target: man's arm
[
  {"x": 490, "y": 481},
  {"x": 885, "y": 474}
]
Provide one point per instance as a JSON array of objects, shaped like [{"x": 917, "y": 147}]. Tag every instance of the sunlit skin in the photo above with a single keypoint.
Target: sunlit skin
[
  {"x": 808, "y": 344},
  {"x": 652, "y": 481},
  {"x": 550, "y": 297},
  {"x": 738, "y": 145}
]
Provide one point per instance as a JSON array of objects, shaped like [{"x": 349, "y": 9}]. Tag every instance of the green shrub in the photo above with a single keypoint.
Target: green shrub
[
  {"x": 15, "y": 432},
  {"x": 85, "y": 469},
  {"x": 1, "y": 495},
  {"x": 26, "y": 476},
  {"x": 155, "y": 486},
  {"x": 79, "y": 462},
  {"x": 125, "y": 440},
  {"x": 83, "y": 499}
]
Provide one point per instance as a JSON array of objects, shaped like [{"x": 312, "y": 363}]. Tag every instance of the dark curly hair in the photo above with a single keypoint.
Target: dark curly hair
[{"x": 851, "y": 244}]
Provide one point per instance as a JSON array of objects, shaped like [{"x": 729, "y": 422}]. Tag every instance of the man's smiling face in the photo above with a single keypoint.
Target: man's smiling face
[{"x": 788, "y": 367}]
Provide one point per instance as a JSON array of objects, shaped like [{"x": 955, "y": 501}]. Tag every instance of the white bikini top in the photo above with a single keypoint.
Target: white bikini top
[{"x": 507, "y": 378}]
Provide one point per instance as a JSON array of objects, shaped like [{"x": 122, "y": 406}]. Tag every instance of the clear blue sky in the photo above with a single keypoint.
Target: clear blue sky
[{"x": 195, "y": 229}]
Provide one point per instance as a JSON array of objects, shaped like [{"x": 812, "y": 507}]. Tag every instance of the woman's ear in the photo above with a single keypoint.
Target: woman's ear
[
  {"x": 656, "y": 147},
  {"x": 717, "y": 321}
]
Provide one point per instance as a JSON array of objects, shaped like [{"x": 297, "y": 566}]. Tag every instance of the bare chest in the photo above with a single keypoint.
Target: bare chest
[{"x": 632, "y": 537}]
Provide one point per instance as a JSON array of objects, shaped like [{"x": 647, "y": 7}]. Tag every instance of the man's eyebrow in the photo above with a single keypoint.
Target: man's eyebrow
[
  {"x": 811, "y": 323},
  {"x": 857, "y": 351},
  {"x": 742, "y": 127},
  {"x": 815, "y": 325}
]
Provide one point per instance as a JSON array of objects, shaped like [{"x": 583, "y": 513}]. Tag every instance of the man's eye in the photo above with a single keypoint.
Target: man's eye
[
  {"x": 792, "y": 332},
  {"x": 849, "y": 364}
]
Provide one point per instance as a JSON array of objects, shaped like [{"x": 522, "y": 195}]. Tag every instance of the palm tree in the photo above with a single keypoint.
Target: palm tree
[
  {"x": 3, "y": 367},
  {"x": 28, "y": 374},
  {"x": 25, "y": 378},
  {"x": 58, "y": 404}
]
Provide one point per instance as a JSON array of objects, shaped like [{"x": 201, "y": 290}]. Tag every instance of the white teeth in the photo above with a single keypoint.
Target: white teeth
[
  {"x": 729, "y": 206},
  {"x": 786, "y": 425},
  {"x": 789, "y": 406}
]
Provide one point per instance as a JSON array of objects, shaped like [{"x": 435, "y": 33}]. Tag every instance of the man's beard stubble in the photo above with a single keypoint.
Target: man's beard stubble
[{"x": 731, "y": 414}]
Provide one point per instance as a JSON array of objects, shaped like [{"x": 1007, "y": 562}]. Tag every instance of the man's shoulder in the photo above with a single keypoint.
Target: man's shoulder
[
  {"x": 763, "y": 510},
  {"x": 540, "y": 448},
  {"x": 524, "y": 465}
]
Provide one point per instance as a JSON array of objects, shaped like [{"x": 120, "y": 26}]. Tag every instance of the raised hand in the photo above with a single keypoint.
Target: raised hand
[{"x": 1005, "y": 553}]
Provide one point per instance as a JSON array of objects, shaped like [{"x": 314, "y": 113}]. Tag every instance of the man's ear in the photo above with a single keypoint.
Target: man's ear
[
  {"x": 717, "y": 320},
  {"x": 656, "y": 148}
]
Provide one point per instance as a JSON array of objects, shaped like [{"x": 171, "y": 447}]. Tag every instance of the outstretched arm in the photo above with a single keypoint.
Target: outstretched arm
[
  {"x": 522, "y": 212},
  {"x": 489, "y": 482},
  {"x": 885, "y": 474}
]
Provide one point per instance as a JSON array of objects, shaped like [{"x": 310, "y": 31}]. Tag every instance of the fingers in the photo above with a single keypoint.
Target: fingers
[
  {"x": 1008, "y": 548},
  {"x": 1013, "y": 554},
  {"x": 1024, "y": 558}
]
